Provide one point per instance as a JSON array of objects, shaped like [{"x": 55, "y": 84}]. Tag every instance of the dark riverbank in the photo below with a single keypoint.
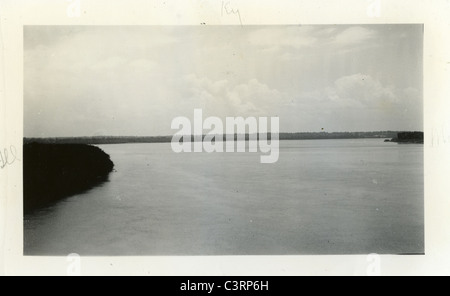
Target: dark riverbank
[
  {"x": 409, "y": 138},
  {"x": 53, "y": 172}
]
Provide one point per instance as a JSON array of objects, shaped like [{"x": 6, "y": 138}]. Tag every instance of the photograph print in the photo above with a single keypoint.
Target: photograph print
[{"x": 223, "y": 140}]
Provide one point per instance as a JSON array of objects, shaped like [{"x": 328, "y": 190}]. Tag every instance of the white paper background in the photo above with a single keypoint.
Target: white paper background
[{"x": 435, "y": 14}]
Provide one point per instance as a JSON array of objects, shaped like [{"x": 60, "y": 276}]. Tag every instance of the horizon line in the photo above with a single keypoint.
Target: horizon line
[{"x": 158, "y": 136}]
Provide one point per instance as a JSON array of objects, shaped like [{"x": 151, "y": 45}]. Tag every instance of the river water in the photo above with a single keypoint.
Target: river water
[{"x": 322, "y": 197}]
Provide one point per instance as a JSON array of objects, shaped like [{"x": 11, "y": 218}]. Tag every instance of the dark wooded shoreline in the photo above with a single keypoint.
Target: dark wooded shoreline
[
  {"x": 53, "y": 172},
  {"x": 409, "y": 138}
]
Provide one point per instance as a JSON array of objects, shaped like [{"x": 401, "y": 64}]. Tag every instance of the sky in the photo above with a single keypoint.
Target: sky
[{"x": 133, "y": 81}]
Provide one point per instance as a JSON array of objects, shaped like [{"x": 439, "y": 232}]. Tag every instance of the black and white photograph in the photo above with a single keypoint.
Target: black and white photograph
[{"x": 223, "y": 140}]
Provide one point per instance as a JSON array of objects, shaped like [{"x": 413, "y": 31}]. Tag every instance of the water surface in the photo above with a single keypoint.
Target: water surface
[{"x": 321, "y": 197}]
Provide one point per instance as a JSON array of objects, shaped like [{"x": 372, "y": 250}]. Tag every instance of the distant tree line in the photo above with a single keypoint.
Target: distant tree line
[
  {"x": 168, "y": 139},
  {"x": 338, "y": 135},
  {"x": 98, "y": 140}
]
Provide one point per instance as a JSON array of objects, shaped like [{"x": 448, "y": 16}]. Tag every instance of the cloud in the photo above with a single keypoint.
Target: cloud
[
  {"x": 223, "y": 98},
  {"x": 109, "y": 63},
  {"x": 354, "y": 36},
  {"x": 135, "y": 80},
  {"x": 361, "y": 90},
  {"x": 276, "y": 38},
  {"x": 295, "y": 44},
  {"x": 357, "y": 102}
]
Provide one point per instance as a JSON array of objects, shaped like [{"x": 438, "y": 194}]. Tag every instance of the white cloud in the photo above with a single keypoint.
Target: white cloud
[
  {"x": 354, "y": 36},
  {"x": 363, "y": 90},
  {"x": 222, "y": 98},
  {"x": 357, "y": 102},
  {"x": 327, "y": 31},
  {"x": 109, "y": 63},
  {"x": 297, "y": 43},
  {"x": 277, "y": 38},
  {"x": 143, "y": 64}
]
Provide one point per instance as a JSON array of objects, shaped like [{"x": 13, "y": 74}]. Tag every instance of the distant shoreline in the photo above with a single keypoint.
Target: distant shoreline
[{"x": 104, "y": 140}]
